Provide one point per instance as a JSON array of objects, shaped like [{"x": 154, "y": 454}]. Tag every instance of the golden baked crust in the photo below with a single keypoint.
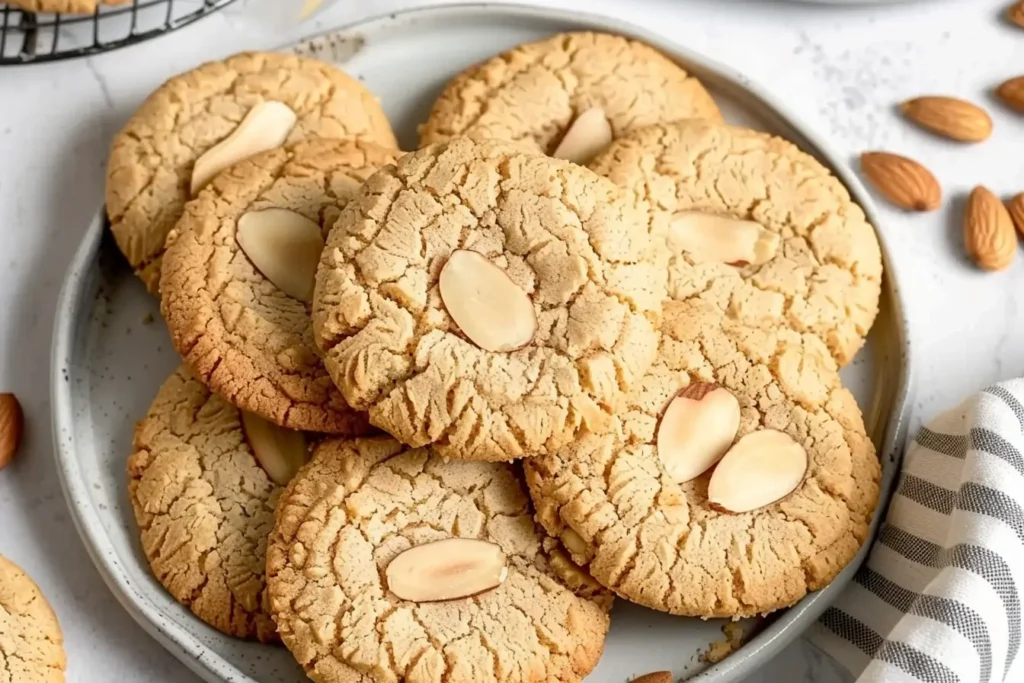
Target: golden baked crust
[{"x": 31, "y": 643}]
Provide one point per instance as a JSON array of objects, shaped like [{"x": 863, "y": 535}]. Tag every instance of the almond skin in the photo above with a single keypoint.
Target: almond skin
[
  {"x": 989, "y": 236},
  {"x": 1011, "y": 92},
  {"x": 11, "y": 424},
  {"x": 902, "y": 181},
  {"x": 1016, "y": 208},
  {"x": 949, "y": 117},
  {"x": 655, "y": 677}
]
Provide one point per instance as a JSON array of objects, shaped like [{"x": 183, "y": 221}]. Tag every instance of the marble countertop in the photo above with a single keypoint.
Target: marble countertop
[{"x": 842, "y": 69}]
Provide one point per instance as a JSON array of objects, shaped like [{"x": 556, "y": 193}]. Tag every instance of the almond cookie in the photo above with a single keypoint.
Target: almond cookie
[
  {"x": 31, "y": 643},
  {"x": 389, "y": 564},
  {"x": 801, "y": 253},
  {"x": 213, "y": 116},
  {"x": 488, "y": 300},
  {"x": 205, "y": 505},
  {"x": 534, "y": 93},
  {"x": 740, "y": 477},
  {"x": 238, "y": 276}
]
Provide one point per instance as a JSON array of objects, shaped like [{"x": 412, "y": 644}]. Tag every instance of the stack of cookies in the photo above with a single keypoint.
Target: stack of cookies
[{"x": 601, "y": 329}]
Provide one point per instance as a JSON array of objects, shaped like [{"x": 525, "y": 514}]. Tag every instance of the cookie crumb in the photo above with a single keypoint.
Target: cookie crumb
[
  {"x": 147, "y": 319},
  {"x": 720, "y": 649}
]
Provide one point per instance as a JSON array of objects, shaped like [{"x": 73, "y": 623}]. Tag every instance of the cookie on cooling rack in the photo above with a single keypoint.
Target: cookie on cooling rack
[
  {"x": 740, "y": 477},
  {"x": 759, "y": 228},
  {"x": 64, "y": 6},
  {"x": 573, "y": 90},
  {"x": 238, "y": 276},
  {"x": 217, "y": 114},
  {"x": 31, "y": 643}
]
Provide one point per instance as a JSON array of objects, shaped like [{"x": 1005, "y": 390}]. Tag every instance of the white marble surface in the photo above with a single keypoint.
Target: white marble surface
[{"x": 841, "y": 68}]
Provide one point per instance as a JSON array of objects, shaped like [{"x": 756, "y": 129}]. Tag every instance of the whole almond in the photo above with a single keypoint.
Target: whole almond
[
  {"x": 1016, "y": 208},
  {"x": 902, "y": 181},
  {"x": 989, "y": 236},
  {"x": 11, "y": 423},
  {"x": 1015, "y": 13},
  {"x": 655, "y": 677},
  {"x": 1011, "y": 92},
  {"x": 950, "y": 117}
]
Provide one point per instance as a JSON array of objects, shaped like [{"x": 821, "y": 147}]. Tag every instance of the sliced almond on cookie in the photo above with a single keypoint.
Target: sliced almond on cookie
[
  {"x": 266, "y": 126},
  {"x": 763, "y": 467},
  {"x": 447, "y": 570},
  {"x": 285, "y": 246},
  {"x": 281, "y": 452},
  {"x": 696, "y": 430},
  {"x": 724, "y": 239},
  {"x": 487, "y": 306},
  {"x": 589, "y": 133}
]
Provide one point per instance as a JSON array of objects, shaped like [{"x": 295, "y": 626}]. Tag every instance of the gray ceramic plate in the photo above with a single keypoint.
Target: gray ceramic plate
[{"x": 111, "y": 352}]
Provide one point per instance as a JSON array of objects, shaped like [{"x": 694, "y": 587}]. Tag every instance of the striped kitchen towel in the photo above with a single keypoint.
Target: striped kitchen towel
[{"x": 939, "y": 598}]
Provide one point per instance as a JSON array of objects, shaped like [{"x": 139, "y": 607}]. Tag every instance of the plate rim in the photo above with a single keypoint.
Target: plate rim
[{"x": 208, "y": 665}]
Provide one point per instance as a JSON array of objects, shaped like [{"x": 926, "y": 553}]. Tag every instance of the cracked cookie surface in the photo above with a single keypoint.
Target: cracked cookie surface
[
  {"x": 568, "y": 238},
  {"x": 151, "y": 159},
  {"x": 361, "y": 502},
  {"x": 826, "y": 275},
  {"x": 657, "y": 542},
  {"x": 31, "y": 643},
  {"x": 531, "y": 93},
  {"x": 247, "y": 339},
  {"x": 204, "y": 506}
]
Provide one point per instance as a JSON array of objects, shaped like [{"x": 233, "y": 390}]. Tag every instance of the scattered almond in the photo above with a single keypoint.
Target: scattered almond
[
  {"x": 283, "y": 245},
  {"x": 697, "y": 428},
  {"x": 1011, "y": 92},
  {"x": 266, "y": 126},
  {"x": 1015, "y": 14},
  {"x": 449, "y": 569},
  {"x": 11, "y": 425},
  {"x": 724, "y": 239},
  {"x": 1016, "y": 208},
  {"x": 588, "y": 135},
  {"x": 902, "y": 181},
  {"x": 763, "y": 467},
  {"x": 950, "y": 117},
  {"x": 989, "y": 236},
  {"x": 655, "y": 677},
  {"x": 281, "y": 452},
  {"x": 487, "y": 306}
]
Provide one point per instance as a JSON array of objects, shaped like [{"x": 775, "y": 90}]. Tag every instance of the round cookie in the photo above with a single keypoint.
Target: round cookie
[
  {"x": 247, "y": 339},
  {"x": 825, "y": 276},
  {"x": 205, "y": 507},
  {"x": 31, "y": 643},
  {"x": 660, "y": 543},
  {"x": 568, "y": 238},
  {"x": 362, "y": 502},
  {"x": 532, "y": 93},
  {"x": 151, "y": 160}
]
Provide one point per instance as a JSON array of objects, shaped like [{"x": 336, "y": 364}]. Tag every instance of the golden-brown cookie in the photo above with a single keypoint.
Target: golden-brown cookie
[
  {"x": 532, "y": 93},
  {"x": 204, "y": 505},
  {"x": 333, "y": 588},
  {"x": 250, "y": 341},
  {"x": 149, "y": 173},
  {"x": 557, "y": 266},
  {"x": 668, "y": 541},
  {"x": 824, "y": 270},
  {"x": 31, "y": 643},
  {"x": 63, "y": 6}
]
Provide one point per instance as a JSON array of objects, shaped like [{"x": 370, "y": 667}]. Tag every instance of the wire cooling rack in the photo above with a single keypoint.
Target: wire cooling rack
[{"x": 29, "y": 37}]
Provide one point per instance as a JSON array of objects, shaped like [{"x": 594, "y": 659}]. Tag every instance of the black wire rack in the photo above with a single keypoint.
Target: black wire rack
[{"x": 30, "y": 37}]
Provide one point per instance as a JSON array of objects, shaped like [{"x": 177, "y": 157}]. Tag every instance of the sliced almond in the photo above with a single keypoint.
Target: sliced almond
[
  {"x": 281, "y": 452},
  {"x": 763, "y": 467},
  {"x": 902, "y": 181},
  {"x": 447, "y": 570},
  {"x": 588, "y": 135},
  {"x": 285, "y": 246},
  {"x": 697, "y": 429},
  {"x": 724, "y": 239},
  {"x": 266, "y": 126},
  {"x": 989, "y": 236},
  {"x": 949, "y": 117},
  {"x": 574, "y": 543},
  {"x": 487, "y": 306},
  {"x": 1011, "y": 92}
]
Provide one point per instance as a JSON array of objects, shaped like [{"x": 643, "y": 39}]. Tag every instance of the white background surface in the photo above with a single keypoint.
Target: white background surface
[{"x": 841, "y": 69}]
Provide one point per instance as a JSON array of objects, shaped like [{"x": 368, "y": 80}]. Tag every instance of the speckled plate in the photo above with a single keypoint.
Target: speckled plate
[{"x": 111, "y": 352}]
